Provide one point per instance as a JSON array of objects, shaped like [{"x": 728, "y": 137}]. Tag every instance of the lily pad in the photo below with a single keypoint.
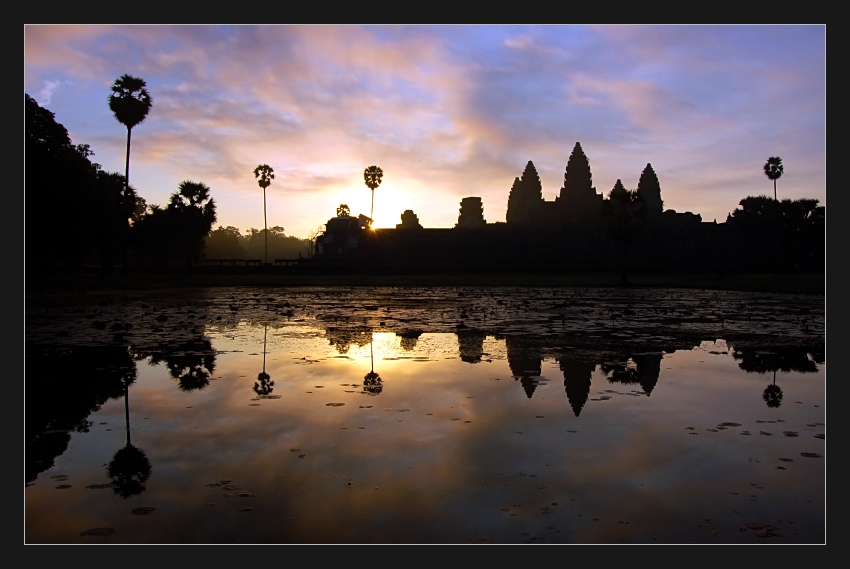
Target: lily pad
[
  {"x": 99, "y": 532},
  {"x": 143, "y": 511}
]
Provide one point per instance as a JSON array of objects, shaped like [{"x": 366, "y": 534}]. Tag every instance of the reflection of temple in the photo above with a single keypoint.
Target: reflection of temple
[
  {"x": 343, "y": 338},
  {"x": 526, "y": 354},
  {"x": 577, "y": 375},
  {"x": 408, "y": 338},
  {"x": 524, "y": 361},
  {"x": 471, "y": 344},
  {"x": 642, "y": 369}
]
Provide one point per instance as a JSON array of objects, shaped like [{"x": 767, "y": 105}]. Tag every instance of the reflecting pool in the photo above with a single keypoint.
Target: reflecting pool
[{"x": 427, "y": 415}]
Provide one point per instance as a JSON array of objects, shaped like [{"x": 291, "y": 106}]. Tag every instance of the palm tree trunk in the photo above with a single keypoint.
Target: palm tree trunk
[
  {"x": 127, "y": 166},
  {"x": 774, "y": 188},
  {"x": 127, "y": 409},
  {"x": 265, "y": 227},
  {"x": 126, "y": 243},
  {"x": 372, "y": 211}
]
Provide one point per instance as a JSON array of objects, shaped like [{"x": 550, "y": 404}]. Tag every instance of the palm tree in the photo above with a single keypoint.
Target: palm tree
[
  {"x": 773, "y": 170},
  {"x": 130, "y": 102},
  {"x": 372, "y": 176},
  {"x": 264, "y": 175}
]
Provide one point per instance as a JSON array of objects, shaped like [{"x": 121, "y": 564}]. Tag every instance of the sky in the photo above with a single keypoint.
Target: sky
[{"x": 445, "y": 111}]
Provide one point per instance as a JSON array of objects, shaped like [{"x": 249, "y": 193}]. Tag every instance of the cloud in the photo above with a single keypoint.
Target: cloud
[{"x": 446, "y": 111}]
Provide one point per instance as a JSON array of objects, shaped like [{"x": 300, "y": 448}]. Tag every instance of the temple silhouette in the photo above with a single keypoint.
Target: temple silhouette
[{"x": 583, "y": 230}]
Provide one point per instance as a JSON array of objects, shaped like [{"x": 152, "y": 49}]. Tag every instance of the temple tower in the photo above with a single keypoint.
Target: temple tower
[{"x": 471, "y": 213}]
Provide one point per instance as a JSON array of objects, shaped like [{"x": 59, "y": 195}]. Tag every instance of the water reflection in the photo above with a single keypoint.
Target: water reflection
[
  {"x": 129, "y": 468},
  {"x": 577, "y": 377},
  {"x": 264, "y": 385},
  {"x": 773, "y": 394},
  {"x": 654, "y": 428},
  {"x": 58, "y": 407}
]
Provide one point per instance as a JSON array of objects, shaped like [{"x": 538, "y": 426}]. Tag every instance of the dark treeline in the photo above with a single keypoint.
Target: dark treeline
[
  {"x": 229, "y": 243},
  {"x": 87, "y": 216},
  {"x": 80, "y": 214}
]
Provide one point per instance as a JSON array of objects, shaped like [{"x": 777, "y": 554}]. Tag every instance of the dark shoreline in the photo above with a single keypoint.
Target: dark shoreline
[{"x": 58, "y": 286}]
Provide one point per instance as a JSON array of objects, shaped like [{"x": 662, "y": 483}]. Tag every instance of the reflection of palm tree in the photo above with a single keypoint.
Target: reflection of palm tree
[
  {"x": 773, "y": 394},
  {"x": 193, "y": 366},
  {"x": 129, "y": 468},
  {"x": 264, "y": 385},
  {"x": 372, "y": 383},
  {"x": 372, "y": 176},
  {"x": 786, "y": 358}
]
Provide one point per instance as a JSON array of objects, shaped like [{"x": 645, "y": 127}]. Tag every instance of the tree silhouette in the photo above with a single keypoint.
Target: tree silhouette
[
  {"x": 180, "y": 229},
  {"x": 114, "y": 205},
  {"x": 194, "y": 213},
  {"x": 264, "y": 174},
  {"x": 372, "y": 176},
  {"x": 624, "y": 217},
  {"x": 343, "y": 210},
  {"x": 773, "y": 233},
  {"x": 130, "y": 102},
  {"x": 773, "y": 169},
  {"x": 225, "y": 242},
  {"x": 61, "y": 180}
]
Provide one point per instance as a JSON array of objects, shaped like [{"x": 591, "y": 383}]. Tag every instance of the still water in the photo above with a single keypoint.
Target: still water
[{"x": 429, "y": 415}]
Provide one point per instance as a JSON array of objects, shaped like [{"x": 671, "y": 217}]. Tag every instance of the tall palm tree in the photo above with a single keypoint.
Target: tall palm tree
[
  {"x": 130, "y": 102},
  {"x": 372, "y": 176},
  {"x": 264, "y": 175},
  {"x": 773, "y": 169}
]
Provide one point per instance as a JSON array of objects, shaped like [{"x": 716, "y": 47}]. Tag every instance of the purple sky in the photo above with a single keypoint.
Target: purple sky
[{"x": 445, "y": 111}]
